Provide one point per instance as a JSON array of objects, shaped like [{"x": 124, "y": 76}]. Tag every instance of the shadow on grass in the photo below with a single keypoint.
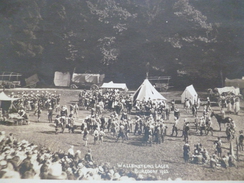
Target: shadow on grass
[
  {"x": 136, "y": 143},
  {"x": 48, "y": 132},
  {"x": 178, "y": 139}
]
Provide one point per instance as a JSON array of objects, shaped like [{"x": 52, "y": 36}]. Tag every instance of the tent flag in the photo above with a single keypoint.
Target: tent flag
[
  {"x": 189, "y": 93},
  {"x": 4, "y": 97},
  {"x": 146, "y": 91}
]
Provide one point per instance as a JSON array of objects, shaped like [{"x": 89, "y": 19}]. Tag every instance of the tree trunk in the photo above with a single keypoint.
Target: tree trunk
[{"x": 221, "y": 77}]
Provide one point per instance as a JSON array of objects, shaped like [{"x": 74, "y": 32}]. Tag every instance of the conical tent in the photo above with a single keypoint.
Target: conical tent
[
  {"x": 189, "y": 93},
  {"x": 4, "y": 97},
  {"x": 146, "y": 91}
]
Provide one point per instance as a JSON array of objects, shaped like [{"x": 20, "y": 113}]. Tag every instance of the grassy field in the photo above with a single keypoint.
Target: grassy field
[{"x": 166, "y": 159}]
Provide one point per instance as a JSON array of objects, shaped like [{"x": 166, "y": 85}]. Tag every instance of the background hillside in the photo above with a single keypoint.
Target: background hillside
[{"x": 194, "y": 41}]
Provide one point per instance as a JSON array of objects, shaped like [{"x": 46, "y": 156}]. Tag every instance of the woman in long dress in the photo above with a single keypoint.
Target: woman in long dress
[
  {"x": 229, "y": 106},
  {"x": 237, "y": 105}
]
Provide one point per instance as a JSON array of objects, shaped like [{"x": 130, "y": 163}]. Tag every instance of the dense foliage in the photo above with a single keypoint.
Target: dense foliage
[{"x": 194, "y": 41}]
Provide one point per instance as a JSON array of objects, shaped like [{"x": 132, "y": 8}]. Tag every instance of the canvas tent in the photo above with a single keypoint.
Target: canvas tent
[
  {"x": 239, "y": 83},
  {"x": 87, "y": 78},
  {"x": 32, "y": 80},
  {"x": 189, "y": 93},
  {"x": 5, "y": 101},
  {"x": 234, "y": 82},
  {"x": 146, "y": 91},
  {"x": 4, "y": 97},
  {"x": 231, "y": 89},
  {"x": 112, "y": 85},
  {"x": 62, "y": 79}
]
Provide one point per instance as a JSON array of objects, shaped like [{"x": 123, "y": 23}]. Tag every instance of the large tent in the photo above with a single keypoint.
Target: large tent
[
  {"x": 112, "y": 85},
  {"x": 61, "y": 79},
  {"x": 146, "y": 91},
  {"x": 4, "y": 97},
  {"x": 227, "y": 89},
  {"x": 189, "y": 93},
  {"x": 5, "y": 101}
]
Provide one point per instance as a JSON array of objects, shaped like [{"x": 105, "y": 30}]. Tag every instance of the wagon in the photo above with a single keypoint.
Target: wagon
[
  {"x": 32, "y": 81},
  {"x": 161, "y": 82},
  {"x": 10, "y": 79},
  {"x": 91, "y": 81}
]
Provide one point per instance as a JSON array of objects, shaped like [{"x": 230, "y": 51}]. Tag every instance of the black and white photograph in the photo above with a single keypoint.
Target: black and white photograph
[{"x": 121, "y": 90}]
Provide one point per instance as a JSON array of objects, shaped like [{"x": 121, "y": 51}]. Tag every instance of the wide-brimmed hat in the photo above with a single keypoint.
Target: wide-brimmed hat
[
  {"x": 80, "y": 165},
  {"x": 116, "y": 176}
]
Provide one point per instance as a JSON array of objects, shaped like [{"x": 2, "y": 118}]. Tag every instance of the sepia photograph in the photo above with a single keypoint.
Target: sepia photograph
[{"x": 121, "y": 90}]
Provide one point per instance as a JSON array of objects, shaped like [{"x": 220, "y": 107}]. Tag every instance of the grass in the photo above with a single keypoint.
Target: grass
[{"x": 168, "y": 154}]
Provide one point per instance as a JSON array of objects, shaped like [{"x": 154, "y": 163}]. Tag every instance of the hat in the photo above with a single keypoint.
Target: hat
[
  {"x": 3, "y": 163},
  {"x": 140, "y": 177},
  {"x": 100, "y": 169},
  {"x": 80, "y": 165},
  {"x": 116, "y": 176}
]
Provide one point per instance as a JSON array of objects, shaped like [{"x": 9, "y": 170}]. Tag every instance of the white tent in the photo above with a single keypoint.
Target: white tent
[
  {"x": 112, "y": 85},
  {"x": 189, "y": 93},
  {"x": 146, "y": 91},
  {"x": 61, "y": 79},
  {"x": 4, "y": 97},
  {"x": 231, "y": 89}
]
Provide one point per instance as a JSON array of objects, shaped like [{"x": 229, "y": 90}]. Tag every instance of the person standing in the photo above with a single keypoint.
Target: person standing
[
  {"x": 76, "y": 109},
  {"x": 241, "y": 138},
  {"x": 237, "y": 105},
  {"x": 101, "y": 135},
  {"x": 186, "y": 151},
  {"x": 175, "y": 127},
  {"x": 96, "y": 136},
  {"x": 71, "y": 109},
  {"x": 186, "y": 131},
  {"x": 177, "y": 113},
  {"x": 229, "y": 106},
  {"x": 50, "y": 114},
  {"x": 39, "y": 111},
  {"x": 85, "y": 135},
  {"x": 219, "y": 147},
  {"x": 208, "y": 105},
  {"x": 167, "y": 111}
]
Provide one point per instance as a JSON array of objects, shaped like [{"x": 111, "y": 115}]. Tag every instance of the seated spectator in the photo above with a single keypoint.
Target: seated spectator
[
  {"x": 55, "y": 169},
  {"x": 26, "y": 166},
  {"x": 6, "y": 173}
]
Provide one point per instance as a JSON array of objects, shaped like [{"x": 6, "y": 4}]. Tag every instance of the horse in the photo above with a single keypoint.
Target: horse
[{"x": 221, "y": 120}]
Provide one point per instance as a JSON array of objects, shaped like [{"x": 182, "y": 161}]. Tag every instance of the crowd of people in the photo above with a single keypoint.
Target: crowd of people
[
  {"x": 111, "y": 114},
  {"x": 201, "y": 155},
  {"x": 32, "y": 101},
  {"x": 25, "y": 160}
]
